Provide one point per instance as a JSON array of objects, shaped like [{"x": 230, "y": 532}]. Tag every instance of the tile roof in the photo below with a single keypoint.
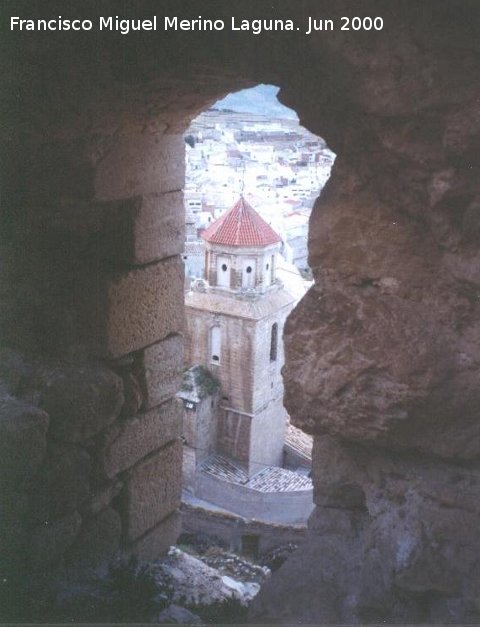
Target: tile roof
[
  {"x": 269, "y": 479},
  {"x": 241, "y": 226},
  {"x": 299, "y": 443}
]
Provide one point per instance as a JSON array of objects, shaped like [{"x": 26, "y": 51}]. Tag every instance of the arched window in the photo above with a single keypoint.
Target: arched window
[
  {"x": 267, "y": 274},
  {"x": 215, "y": 344},
  {"x": 248, "y": 272},
  {"x": 223, "y": 271},
  {"x": 274, "y": 342}
]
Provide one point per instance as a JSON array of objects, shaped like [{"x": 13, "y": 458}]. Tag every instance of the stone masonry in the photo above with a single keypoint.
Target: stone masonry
[
  {"x": 382, "y": 355},
  {"x": 97, "y": 416}
]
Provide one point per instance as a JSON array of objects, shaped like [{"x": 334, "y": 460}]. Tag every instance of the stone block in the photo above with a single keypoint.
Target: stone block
[
  {"x": 101, "y": 497},
  {"x": 14, "y": 370},
  {"x": 135, "y": 231},
  {"x": 49, "y": 542},
  {"x": 141, "y": 164},
  {"x": 158, "y": 540},
  {"x": 152, "y": 490},
  {"x": 62, "y": 483},
  {"x": 60, "y": 168},
  {"x": 98, "y": 539},
  {"x": 133, "y": 393},
  {"x": 23, "y": 430},
  {"x": 132, "y": 440},
  {"x": 158, "y": 227},
  {"x": 127, "y": 312},
  {"x": 81, "y": 400},
  {"x": 159, "y": 369},
  {"x": 14, "y": 509}
]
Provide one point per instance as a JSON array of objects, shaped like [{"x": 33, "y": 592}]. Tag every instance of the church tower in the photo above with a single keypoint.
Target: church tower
[
  {"x": 235, "y": 325},
  {"x": 240, "y": 251}
]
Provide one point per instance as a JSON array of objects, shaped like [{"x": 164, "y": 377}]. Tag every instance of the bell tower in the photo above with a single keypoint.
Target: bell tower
[
  {"x": 240, "y": 250},
  {"x": 235, "y": 330}
]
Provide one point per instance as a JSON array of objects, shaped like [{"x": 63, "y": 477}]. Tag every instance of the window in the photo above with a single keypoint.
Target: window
[
  {"x": 215, "y": 344},
  {"x": 267, "y": 275},
  {"x": 248, "y": 273},
  {"x": 274, "y": 342},
  {"x": 223, "y": 271}
]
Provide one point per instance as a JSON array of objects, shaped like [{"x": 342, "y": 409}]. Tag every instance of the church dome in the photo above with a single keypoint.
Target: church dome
[{"x": 241, "y": 226}]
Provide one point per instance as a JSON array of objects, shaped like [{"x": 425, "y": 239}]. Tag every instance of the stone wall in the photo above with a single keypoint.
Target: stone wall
[
  {"x": 250, "y": 382},
  {"x": 237, "y": 338},
  {"x": 382, "y": 355},
  {"x": 97, "y": 353},
  {"x": 284, "y": 508},
  {"x": 200, "y": 426},
  {"x": 229, "y": 529},
  {"x": 89, "y": 460}
]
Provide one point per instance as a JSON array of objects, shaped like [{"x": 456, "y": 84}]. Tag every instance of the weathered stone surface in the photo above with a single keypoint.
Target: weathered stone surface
[
  {"x": 130, "y": 441},
  {"x": 385, "y": 349},
  {"x": 177, "y": 615},
  {"x": 140, "y": 164},
  {"x": 393, "y": 539},
  {"x": 158, "y": 227},
  {"x": 14, "y": 530},
  {"x": 133, "y": 394},
  {"x": 152, "y": 490},
  {"x": 197, "y": 584},
  {"x": 62, "y": 483},
  {"x": 120, "y": 233},
  {"x": 49, "y": 542},
  {"x": 335, "y": 476},
  {"x": 81, "y": 400},
  {"x": 159, "y": 369},
  {"x": 15, "y": 371},
  {"x": 100, "y": 497},
  {"x": 98, "y": 539},
  {"x": 158, "y": 540},
  {"x": 129, "y": 311},
  {"x": 23, "y": 443}
]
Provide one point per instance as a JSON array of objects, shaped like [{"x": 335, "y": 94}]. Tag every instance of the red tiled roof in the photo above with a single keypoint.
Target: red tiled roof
[{"x": 241, "y": 226}]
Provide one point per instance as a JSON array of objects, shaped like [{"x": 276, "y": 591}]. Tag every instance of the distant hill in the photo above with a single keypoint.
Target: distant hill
[{"x": 261, "y": 99}]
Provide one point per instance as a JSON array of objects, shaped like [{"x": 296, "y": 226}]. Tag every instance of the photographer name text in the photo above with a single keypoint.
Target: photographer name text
[{"x": 253, "y": 26}]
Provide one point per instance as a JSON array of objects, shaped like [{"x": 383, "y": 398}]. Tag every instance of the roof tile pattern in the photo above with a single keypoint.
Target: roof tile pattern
[
  {"x": 241, "y": 226},
  {"x": 299, "y": 443},
  {"x": 269, "y": 479}
]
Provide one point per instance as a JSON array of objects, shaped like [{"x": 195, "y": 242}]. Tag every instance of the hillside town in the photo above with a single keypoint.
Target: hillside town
[
  {"x": 277, "y": 165},
  {"x": 251, "y": 180}
]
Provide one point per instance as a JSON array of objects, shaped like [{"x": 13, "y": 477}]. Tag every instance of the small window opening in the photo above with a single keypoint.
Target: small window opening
[
  {"x": 274, "y": 342},
  {"x": 224, "y": 267},
  {"x": 249, "y": 269},
  {"x": 215, "y": 344},
  {"x": 267, "y": 266}
]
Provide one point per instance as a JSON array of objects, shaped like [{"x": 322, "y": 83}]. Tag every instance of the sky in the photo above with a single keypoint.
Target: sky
[{"x": 261, "y": 99}]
